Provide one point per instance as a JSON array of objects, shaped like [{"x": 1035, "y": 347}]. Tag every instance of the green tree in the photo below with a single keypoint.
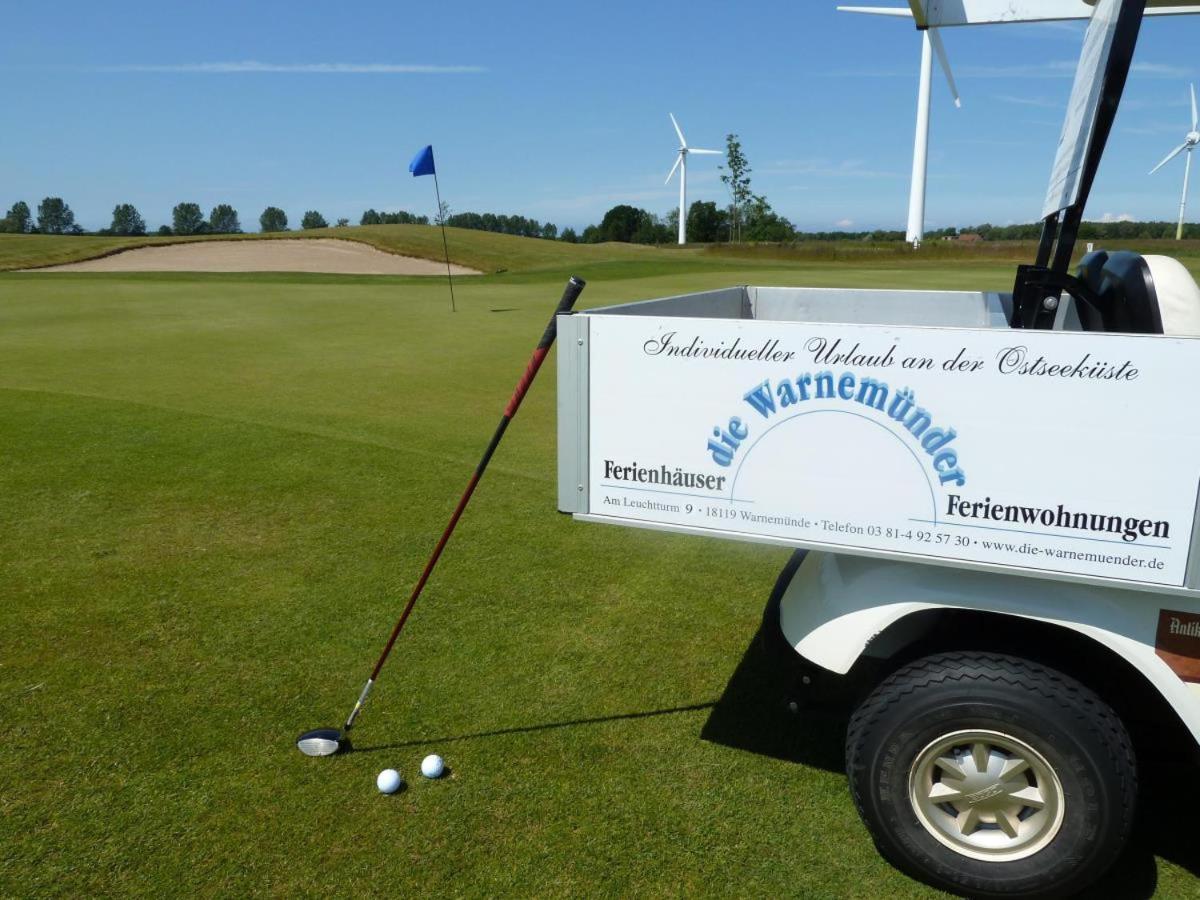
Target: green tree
[
  {"x": 164, "y": 231},
  {"x": 54, "y": 216},
  {"x": 18, "y": 220},
  {"x": 764, "y": 224},
  {"x": 126, "y": 220},
  {"x": 569, "y": 236},
  {"x": 224, "y": 220},
  {"x": 370, "y": 217},
  {"x": 401, "y": 217},
  {"x": 273, "y": 219},
  {"x": 705, "y": 222},
  {"x": 342, "y": 223},
  {"x": 313, "y": 219},
  {"x": 736, "y": 176},
  {"x": 622, "y": 222},
  {"x": 655, "y": 230},
  {"x": 186, "y": 218}
]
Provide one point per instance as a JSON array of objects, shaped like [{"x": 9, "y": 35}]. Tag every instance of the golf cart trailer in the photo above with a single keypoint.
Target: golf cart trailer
[{"x": 993, "y": 499}]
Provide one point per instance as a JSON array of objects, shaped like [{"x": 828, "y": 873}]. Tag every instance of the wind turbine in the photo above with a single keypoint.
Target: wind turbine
[
  {"x": 1189, "y": 144},
  {"x": 931, "y": 43},
  {"x": 681, "y": 165}
]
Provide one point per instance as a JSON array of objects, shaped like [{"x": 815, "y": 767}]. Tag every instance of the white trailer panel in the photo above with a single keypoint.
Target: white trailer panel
[{"x": 1056, "y": 454}]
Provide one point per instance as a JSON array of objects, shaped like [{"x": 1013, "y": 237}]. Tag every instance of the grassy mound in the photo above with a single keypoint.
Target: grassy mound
[
  {"x": 480, "y": 250},
  {"x": 500, "y": 253}
]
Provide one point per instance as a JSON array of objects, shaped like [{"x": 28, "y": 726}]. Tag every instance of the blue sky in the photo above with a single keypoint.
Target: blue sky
[{"x": 554, "y": 110}]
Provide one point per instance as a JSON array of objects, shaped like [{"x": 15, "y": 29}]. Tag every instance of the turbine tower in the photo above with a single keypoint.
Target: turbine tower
[
  {"x": 681, "y": 165},
  {"x": 931, "y": 43},
  {"x": 1189, "y": 144}
]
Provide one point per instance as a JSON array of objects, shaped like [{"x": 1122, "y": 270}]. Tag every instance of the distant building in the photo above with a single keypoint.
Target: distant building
[{"x": 970, "y": 238}]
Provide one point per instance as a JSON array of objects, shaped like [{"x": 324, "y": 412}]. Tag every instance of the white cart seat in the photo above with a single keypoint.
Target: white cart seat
[{"x": 1178, "y": 295}]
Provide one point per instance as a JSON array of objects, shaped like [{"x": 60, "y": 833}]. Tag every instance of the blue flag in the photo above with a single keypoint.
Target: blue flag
[{"x": 422, "y": 163}]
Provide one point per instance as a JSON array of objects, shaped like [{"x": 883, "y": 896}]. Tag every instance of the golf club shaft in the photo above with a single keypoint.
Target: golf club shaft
[{"x": 570, "y": 295}]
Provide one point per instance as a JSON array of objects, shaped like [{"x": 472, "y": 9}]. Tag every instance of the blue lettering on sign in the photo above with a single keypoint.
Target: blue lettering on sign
[
  {"x": 724, "y": 443},
  {"x": 769, "y": 399}
]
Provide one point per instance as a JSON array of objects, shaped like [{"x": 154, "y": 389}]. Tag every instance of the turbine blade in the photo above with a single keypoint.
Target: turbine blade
[
  {"x": 877, "y": 11},
  {"x": 682, "y": 139},
  {"x": 706, "y": 152},
  {"x": 1170, "y": 156},
  {"x": 940, "y": 49},
  {"x": 671, "y": 174},
  {"x": 1195, "y": 117}
]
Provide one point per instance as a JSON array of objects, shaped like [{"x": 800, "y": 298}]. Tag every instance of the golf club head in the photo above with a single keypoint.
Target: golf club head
[{"x": 322, "y": 742}]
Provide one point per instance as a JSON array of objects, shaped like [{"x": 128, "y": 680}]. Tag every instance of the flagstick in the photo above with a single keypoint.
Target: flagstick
[{"x": 445, "y": 247}]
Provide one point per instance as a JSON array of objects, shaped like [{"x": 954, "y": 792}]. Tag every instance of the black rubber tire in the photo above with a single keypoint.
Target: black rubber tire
[{"x": 1078, "y": 734}]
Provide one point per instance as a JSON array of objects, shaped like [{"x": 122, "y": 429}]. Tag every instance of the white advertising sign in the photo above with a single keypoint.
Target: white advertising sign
[{"x": 1044, "y": 451}]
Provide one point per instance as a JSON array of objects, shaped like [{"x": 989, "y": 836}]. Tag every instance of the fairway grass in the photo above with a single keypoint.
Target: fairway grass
[{"x": 217, "y": 490}]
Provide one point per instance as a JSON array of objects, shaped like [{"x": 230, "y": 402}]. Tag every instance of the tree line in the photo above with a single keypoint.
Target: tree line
[
  {"x": 747, "y": 217},
  {"x": 54, "y": 216}
]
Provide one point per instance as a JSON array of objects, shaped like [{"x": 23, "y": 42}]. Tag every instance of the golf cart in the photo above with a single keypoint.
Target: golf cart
[{"x": 993, "y": 496}]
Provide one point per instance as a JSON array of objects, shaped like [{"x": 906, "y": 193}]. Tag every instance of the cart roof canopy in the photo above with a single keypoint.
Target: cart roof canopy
[{"x": 943, "y": 13}]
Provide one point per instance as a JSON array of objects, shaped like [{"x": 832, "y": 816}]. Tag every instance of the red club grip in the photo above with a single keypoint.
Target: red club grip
[{"x": 531, "y": 370}]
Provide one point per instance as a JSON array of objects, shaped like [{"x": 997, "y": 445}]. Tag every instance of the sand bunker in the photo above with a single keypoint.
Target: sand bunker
[{"x": 284, "y": 255}]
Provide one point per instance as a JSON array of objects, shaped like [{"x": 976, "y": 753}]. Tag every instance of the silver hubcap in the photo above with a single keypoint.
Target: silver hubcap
[{"x": 986, "y": 795}]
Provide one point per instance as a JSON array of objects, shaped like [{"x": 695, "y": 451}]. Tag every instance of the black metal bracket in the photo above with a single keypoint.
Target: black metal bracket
[{"x": 1037, "y": 295}]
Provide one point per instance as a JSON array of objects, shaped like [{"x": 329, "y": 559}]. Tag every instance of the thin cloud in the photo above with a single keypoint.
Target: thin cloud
[
  {"x": 590, "y": 201},
  {"x": 254, "y": 67},
  {"x": 1055, "y": 69},
  {"x": 849, "y": 168},
  {"x": 1153, "y": 130},
  {"x": 1160, "y": 70},
  {"x": 1178, "y": 100},
  {"x": 1039, "y": 102},
  {"x": 1064, "y": 68},
  {"x": 986, "y": 142}
]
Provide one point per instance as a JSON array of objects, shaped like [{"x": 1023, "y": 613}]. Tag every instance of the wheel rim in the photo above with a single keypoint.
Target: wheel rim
[{"x": 986, "y": 795}]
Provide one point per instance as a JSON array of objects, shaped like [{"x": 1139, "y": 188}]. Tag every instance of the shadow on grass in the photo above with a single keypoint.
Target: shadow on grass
[
  {"x": 543, "y": 726},
  {"x": 1166, "y": 821},
  {"x": 753, "y": 715}
]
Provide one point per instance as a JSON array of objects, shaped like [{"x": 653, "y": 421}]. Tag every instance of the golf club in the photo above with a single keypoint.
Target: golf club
[{"x": 328, "y": 741}]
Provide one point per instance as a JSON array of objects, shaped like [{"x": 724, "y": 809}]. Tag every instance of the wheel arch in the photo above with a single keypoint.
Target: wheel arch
[
  {"x": 853, "y": 615},
  {"x": 1141, "y": 703}
]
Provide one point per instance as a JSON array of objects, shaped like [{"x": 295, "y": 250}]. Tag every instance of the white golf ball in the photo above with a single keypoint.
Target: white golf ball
[
  {"x": 389, "y": 781},
  {"x": 433, "y": 766}
]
